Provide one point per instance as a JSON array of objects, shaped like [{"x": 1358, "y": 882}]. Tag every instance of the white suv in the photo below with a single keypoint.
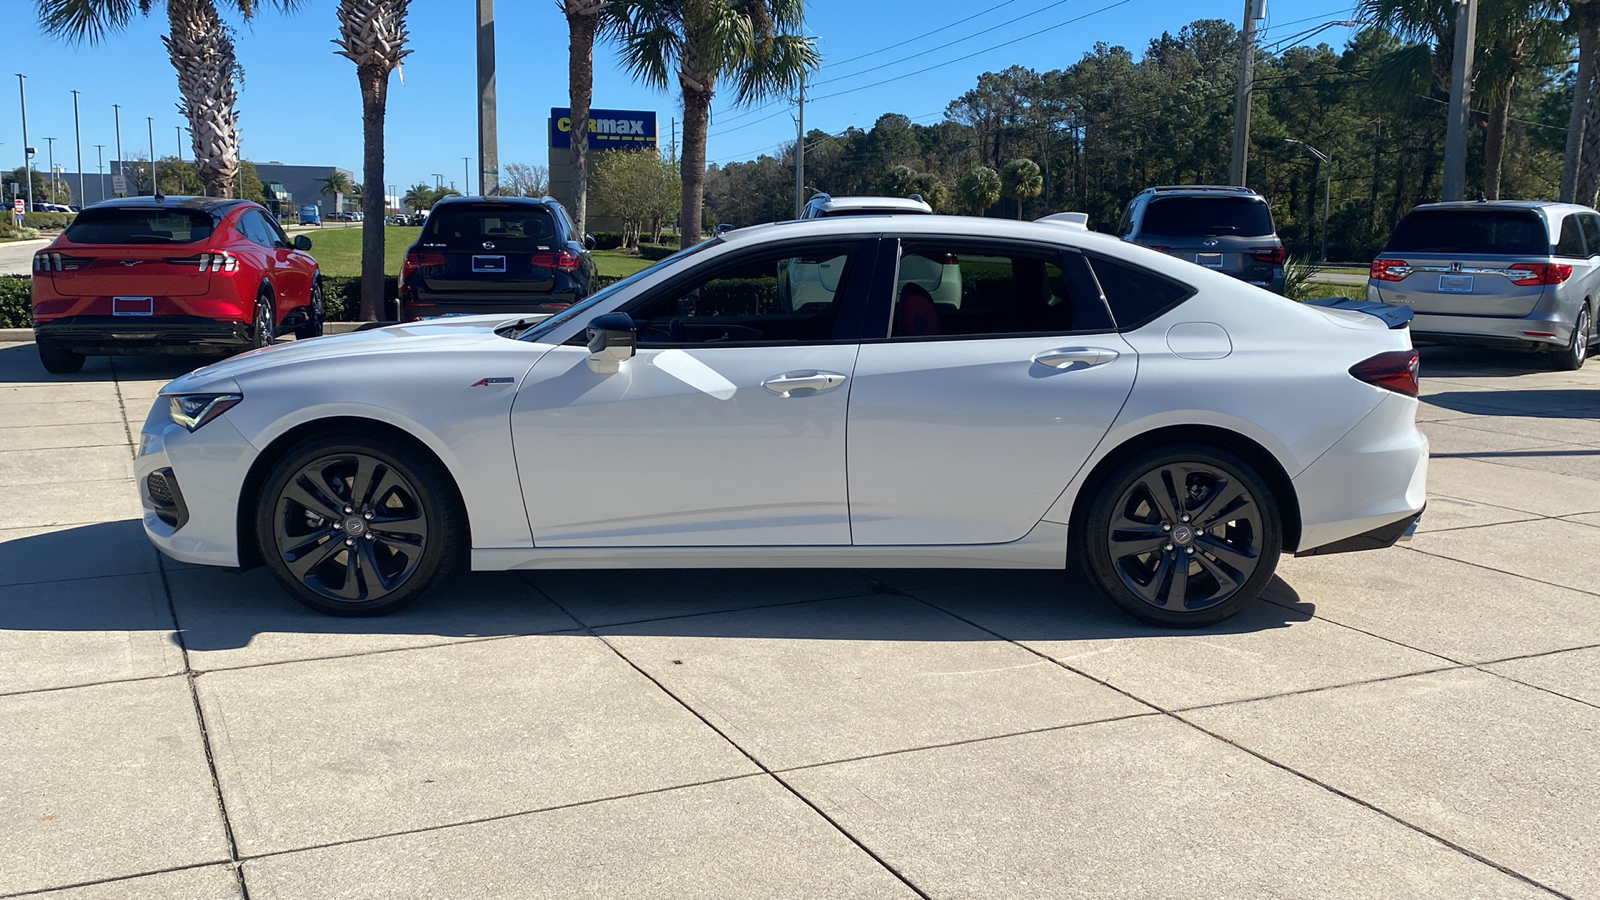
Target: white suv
[{"x": 823, "y": 206}]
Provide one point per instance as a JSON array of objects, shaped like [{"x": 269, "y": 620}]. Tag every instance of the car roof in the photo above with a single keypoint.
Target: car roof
[
  {"x": 887, "y": 204},
  {"x": 513, "y": 201},
  {"x": 1537, "y": 205},
  {"x": 1201, "y": 190},
  {"x": 217, "y": 205},
  {"x": 926, "y": 225}
]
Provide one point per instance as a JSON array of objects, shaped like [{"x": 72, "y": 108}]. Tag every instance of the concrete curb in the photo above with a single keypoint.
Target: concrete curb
[{"x": 8, "y": 335}]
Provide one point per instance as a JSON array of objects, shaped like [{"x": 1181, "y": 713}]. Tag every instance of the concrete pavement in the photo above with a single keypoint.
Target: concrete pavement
[
  {"x": 16, "y": 257},
  {"x": 1415, "y": 722}
]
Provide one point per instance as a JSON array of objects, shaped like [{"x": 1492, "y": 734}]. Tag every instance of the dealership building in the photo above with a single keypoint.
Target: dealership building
[{"x": 610, "y": 130}]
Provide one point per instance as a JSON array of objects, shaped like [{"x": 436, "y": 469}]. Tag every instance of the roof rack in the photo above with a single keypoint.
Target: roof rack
[{"x": 1226, "y": 188}]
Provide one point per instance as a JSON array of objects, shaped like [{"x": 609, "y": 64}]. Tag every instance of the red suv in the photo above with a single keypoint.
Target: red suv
[{"x": 171, "y": 275}]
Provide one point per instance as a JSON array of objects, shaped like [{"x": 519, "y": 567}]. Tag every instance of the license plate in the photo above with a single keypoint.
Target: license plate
[
  {"x": 488, "y": 264},
  {"x": 1455, "y": 284},
  {"x": 132, "y": 306},
  {"x": 1209, "y": 260}
]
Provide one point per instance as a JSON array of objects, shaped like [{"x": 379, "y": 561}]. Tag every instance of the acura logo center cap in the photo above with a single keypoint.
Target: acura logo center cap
[
  {"x": 1182, "y": 535},
  {"x": 355, "y": 526}
]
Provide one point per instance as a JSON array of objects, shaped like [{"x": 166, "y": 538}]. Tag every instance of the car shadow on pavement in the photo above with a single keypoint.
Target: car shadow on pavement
[
  {"x": 19, "y": 364},
  {"x": 1555, "y": 403},
  {"x": 219, "y": 610},
  {"x": 1461, "y": 362}
]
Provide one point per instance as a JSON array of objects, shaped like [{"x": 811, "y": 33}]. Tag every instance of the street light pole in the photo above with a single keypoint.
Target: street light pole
[
  {"x": 466, "y": 180},
  {"x": 27, "y": 151},
  {"x": 100, "y": 166},
  {"x": 77, "y": 131},
  {"x": 50, "y": 155},
  {"x": 116, "y": 112},
  {"x": 438, "y": 181},
  {"x": 1327, "y": 187},
  {"x": 488, "y": 116},
  {"x": 150, "y": 126}
]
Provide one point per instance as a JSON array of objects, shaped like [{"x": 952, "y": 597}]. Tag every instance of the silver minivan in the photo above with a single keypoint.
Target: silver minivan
[{"x": 1506, "y": 273}]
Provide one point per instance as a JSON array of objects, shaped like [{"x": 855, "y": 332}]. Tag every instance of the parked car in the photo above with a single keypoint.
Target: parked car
[
  {"x": 171, "y": 275},
  {"x": 495, "y": 254},
  {"x": 310, "y": 215},
  {"x": 1169, "y": 429},
  {"x": 823, "y": 206},
  {"x": 1515, "y": 274},
  {"x": 1228, "y": 229}
]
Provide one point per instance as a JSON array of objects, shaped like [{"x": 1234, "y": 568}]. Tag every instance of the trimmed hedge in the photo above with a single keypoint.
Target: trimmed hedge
[
  {"x": 341, "y": 297},
  {"x": 8, "y": 230},
  {"x": 50, "y": 220},
  {"x": 656, "y": 252},
  {"x": 607, "y": 240},
  {"x": 16, "y": 301}
]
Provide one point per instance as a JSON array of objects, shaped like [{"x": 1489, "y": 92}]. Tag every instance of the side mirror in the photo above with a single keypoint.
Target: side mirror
[
  {"x": 588, "y": 242},
  {"x": 611, "y": 342},
  {"x": 301, "y": 242}
]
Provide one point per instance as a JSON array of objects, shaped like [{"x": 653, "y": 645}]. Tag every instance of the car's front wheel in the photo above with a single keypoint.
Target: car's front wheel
[
  {"x": 313, "y": 326},
  {"x": 358, "y": 526},
  {"x": 59, "y": 360},
  {"x": 1182, "y": 536}
]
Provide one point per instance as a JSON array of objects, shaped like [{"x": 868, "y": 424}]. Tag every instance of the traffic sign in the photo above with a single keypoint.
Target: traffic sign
[
  {"x": 19, "y": 207},
  {"x": 119, "y": 184}
]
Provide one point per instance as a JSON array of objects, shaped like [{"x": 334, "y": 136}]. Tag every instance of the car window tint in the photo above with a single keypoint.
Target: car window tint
[
  {"x": 945, "y": 290},
  {"x": 1136, "y": 296},
  {"x": 1571, "y": 243},
  {"x": 466, "y": 226},
  {"x": 1591, "y": 231},
  {"x": 254, "y": 229},
  {"x": 140, "y": 226},
  {"x": 776, "y": 297},
  {"x": 1488, "y": 231},
  {"x": 1207, "y": 217}
]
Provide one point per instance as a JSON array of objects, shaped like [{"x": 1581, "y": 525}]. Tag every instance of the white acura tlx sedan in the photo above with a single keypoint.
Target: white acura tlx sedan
[{"x": 881, "y": 391}]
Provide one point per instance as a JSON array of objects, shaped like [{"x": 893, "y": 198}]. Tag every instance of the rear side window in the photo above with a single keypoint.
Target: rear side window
[
  {"x": 946, "y": 290},
  {"x": 1591, "y": 231},
  {"x": 506, "y": 226},
  {"x": 140, "y": 226},
  {"x": 1137, "y": 297},
  {"x": 1207, "y": 217},
  {"x": 1501, "y": 232},
  {"x": 1571, "y": 243}
]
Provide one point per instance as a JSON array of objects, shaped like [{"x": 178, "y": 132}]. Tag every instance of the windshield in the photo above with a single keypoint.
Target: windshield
[
  {"x": 567, "y": 315},
  {"x": 1207, "y": 216},
  {"x": 140, "y": 226},
  {"x": 1500, "y": 232}
]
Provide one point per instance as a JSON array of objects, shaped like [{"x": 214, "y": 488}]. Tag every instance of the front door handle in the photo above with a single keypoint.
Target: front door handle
[
  {"x": 816, "y": 382},
  {"x": 1065, "y": 357}
]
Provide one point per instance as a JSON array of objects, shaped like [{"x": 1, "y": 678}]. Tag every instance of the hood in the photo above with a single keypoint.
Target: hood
[{"x": 429, "y": 335}]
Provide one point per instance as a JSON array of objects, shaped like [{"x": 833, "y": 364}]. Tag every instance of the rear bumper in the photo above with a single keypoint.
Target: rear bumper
[
  {"x": 1370, "y": 480},
  {"x": 124, "y": 336},
  {"x": 1378, "y": 538},
  {"x": 1550, "y": 324}
]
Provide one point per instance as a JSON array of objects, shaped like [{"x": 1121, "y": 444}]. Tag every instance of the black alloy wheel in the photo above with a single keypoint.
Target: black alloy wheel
[
  {"x": 358, "y": 527},
  {"x": 313, "y": 326},
  {"x": 1183, "y": 536}
]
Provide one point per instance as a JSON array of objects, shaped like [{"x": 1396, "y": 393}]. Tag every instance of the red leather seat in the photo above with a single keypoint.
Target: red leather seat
[{"x": 916, "y": 315}]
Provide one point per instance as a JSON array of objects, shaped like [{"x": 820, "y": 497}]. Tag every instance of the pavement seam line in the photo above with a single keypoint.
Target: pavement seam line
[
  {"x": 15, "y": 584},
  {"x": 205, "y": 738},
  {"x": 122, "y": 405},
  {"x": 768, "y": 771},
  {"x": 114, "y": 879},
  {"x": 72, "y": 687},
  {"x": 1268, "y": 760},
  {"x": 1565, "y": 587}
]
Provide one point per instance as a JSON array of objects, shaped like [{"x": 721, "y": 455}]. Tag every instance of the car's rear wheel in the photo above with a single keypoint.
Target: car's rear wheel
[
  {"x": 357, "y": 526},
  {"x": 1577, "y": 351},
  {"x": 1182, "y": 536},
  {"x": 313, "y": 326},
  {"x": 59, "y": 360}
]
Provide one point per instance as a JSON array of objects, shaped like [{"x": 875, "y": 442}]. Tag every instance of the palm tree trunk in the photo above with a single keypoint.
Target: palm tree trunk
[
  {"x": 202, "y": 53},
  {"x": 1494, "y": 139},
  {"x": 582, "y": 20},
  {"x": 374, "y": 107},
  {"x": 696, "y": 118},
  {"x": 1585, "y": 161},
  {"x": 1582, "y": 89}
]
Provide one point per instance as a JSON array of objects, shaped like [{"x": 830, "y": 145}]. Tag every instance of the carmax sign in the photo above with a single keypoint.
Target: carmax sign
[{"x": 609, "y": 129}]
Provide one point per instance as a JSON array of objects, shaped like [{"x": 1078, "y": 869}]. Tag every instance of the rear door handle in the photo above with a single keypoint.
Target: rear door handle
[
  {"x": 1069, "y": 356},
  {"x": 817, "y": 382}
]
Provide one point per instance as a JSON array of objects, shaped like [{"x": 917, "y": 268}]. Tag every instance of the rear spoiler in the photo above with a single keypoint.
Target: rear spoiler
[
  {"x": 1392, "y": 315},
  {"x": 1069, "y": 219}
]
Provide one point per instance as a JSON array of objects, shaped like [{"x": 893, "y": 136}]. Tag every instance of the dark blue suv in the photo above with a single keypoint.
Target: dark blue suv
[{"x": 509, "y": 255}]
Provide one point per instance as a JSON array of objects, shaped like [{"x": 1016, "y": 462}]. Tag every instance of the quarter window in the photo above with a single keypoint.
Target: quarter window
[
  {"x": 945, "y": 290},
  {"x": 1571, "y": 243},
  {"x": 1136, "y": 297},
  {"x": 1591, "y": 231},
  {"x": 780, "y": 297}
]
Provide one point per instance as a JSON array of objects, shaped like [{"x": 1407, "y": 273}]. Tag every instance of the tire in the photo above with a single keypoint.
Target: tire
[
  {"x": 398, "y": 542},
  {"x": 1572, "y": 358},
  {"x": 1127, "y": 528},
  {"x": 264, "y": 327},
  {"x": 59, "y": 360},
  {"x": 313, "y": 327}
]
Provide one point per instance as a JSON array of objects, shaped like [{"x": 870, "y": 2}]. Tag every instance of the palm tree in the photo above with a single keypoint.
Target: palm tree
[
  {"x": 1020, "y": 179},
  {"x": 756, "y": 43},
  {"x": 372, "y": 34},
  {"x": 583, "y": 20},
  {"x": 200, "y": 46},
  {"x": 419, "y": 197},
  {"x": 980, "y": 188},
  {"x": 335, "y": 184}
]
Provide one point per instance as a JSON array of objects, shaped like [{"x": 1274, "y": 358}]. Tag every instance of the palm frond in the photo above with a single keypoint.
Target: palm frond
[
  {"x": 776, "y": 68},
  {"x": 90, "y": 21}
]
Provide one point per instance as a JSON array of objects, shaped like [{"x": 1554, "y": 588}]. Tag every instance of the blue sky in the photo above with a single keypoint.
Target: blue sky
[{"x": 299, "y": 103}]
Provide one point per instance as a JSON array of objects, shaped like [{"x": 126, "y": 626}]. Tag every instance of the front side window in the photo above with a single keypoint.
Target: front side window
[
  {"x": 949, "y": 290},
  {"x": 774, "y": 297}
]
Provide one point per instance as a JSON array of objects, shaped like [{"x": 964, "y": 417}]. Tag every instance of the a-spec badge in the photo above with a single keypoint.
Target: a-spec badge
[{"x": 488, "y": 381}]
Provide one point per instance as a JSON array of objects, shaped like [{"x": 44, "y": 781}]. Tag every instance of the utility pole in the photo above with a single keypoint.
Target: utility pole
[
  {"x": 78, "y": 133},
  {"x": 27, "y": 151},
  {"x": 150, "y": 126},
  {"x": 488, "y": 123},
  {"x": 800, "y": 153},
  {"x": 100, "y": 166},
  {"x": 116, "y": 112},
  {"x": 673, "y": 152},
  {"x": 1455, "y": 140},
  {"x": 1238, "y": 166}
]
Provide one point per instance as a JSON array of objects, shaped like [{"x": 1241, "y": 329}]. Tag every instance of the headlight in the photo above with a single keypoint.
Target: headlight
[{"x": 194, "y": 410}]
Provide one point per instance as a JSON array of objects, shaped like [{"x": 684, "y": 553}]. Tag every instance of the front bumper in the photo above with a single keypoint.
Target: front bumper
[
  {"x": 124, "y": 336},
  {"x": 204, "y": 471}
]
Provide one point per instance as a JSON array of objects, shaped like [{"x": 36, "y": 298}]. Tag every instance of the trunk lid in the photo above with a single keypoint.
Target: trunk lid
[
  {"x": 1458, "y": 261},
  {"x": 129, "y": 271},
  {"x": 490, "y": 248}
]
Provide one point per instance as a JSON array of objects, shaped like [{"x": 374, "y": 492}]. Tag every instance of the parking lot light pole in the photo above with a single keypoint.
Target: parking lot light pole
[
  {"x": 150, "y": 126},
  {"x": 50, "y": 156},
  {"x": 27, "y": 151},
  {"x": 77, "y": 131},
  {"x": 116, "y": 113},
  {"x": 438, "y": 180},
  {"x": 1327, "y": 187},
  {"x": 100, "y": 166}
]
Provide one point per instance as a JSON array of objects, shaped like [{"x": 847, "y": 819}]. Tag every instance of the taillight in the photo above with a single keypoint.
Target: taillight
[
  {"x": 1540, "y": 273},
  {"x": 1274, "y": 255},
  {"x": 1389, "y": 270},
  {"x": 1395, "y": 371},
  {"x": 566, "y": 261},
  {"x": 51, "y": 261},
  {"x": 415, "y": 261},
  {"x": 221, "y": 261}
]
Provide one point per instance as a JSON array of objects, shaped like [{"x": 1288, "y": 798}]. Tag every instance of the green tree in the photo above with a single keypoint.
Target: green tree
[
  {"x": 200, "y": 45},
  {"x": 980, "y": 189},
  {"x": 756, "y": 44},
  {"x": 337, "y": 184},
  {"x": 1020, "y": 180},
  {"x": 372, "y": 34},
  {"x": 931, "y": 188},
  {"x": 523, "y": 180},
  {"x": 638, "y": 187},
  {"x": 897, "y": 183},
  {"x": 248, "y": 185}
]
